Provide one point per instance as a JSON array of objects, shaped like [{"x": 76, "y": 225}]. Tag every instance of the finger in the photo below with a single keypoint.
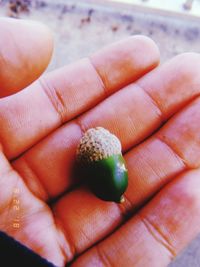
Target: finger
[
  {"x": 65, "y": 93},
  {"x": 160, "y": 231},
  {"x": 24, "y": 56},
  {"x": 151, "y": 165},
  {"x": 130, "y": 114}
]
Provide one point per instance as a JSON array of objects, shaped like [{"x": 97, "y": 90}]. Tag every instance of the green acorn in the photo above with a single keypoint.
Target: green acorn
[{"x": 99, "y": 153}]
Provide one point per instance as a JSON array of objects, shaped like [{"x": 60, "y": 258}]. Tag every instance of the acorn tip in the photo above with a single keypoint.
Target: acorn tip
[{"x": 122, "y": 199}]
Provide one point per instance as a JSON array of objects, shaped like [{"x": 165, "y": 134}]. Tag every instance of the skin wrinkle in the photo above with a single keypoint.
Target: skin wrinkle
[
  {"x": 56, "y": 98},
  {"x": 103, "y": 84},
  {"x": 103, "y": 257},
  {"x": 80, "y": 125},
  {"x": 170, "y": 150},
  {"x": 153, "y": 101},
  {"x": 36, "y": 211},
  {"x": 46, "y": 227},
  {"x": 24, "y": 235},
  {"x": 25, "y": 216},
  {"x": 154, "y": 171},
  {"x": 132, "y": 210},
  {"x": 59, "y": 96},
  {"x": 66, "y": 249},
  {"x": 43, "y": 194},
  {"x": 53, "y": 98},
  {"x": 184, "y": 161},
  {"x": 79, "y": 250},
  {"x": 68, "y": 243},
  {"x": 187, "y": 140},
  {"x": 162, "y": 178},
  {"x": 129, "y": 120},
  {"x": 156, "y": 233}
]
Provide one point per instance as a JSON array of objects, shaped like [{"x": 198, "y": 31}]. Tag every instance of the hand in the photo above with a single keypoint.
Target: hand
[{"x": 156, "y": 116}]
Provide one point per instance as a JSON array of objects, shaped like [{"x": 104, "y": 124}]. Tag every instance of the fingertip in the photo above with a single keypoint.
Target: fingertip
[
  {"x": 43, "y": 42},
  {"x": 149, "y": 46},
  {"x": 26, "y": 48},
  {"x": 46, "y": 38}
]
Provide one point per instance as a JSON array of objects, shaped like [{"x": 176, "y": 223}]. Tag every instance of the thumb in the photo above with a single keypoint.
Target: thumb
[{"x": 25, "y": 51}]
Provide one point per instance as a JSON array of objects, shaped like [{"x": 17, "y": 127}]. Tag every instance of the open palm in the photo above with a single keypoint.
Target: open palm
[{"x": 155, "y": 114}]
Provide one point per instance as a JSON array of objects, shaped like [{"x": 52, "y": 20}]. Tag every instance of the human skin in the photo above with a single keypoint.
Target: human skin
[{"x": 154, "y": 111}]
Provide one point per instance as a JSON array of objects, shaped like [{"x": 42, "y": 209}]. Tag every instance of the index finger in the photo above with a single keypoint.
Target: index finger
[{"x": 30, "y": 115}]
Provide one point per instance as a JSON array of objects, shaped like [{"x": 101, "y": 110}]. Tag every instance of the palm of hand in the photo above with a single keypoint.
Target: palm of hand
[{"x": 41, "y": 126}]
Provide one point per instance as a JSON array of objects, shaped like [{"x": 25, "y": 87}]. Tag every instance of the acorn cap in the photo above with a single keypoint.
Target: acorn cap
[{"x": 97, "y": 144}]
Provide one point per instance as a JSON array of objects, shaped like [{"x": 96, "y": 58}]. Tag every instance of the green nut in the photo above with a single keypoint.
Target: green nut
[{"x": 99, "y": 153}]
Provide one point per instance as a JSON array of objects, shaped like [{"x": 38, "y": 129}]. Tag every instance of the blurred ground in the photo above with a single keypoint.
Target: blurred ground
[{"x": 80, "y": 29}]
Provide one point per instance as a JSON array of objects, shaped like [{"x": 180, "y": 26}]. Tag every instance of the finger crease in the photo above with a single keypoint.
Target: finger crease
[
  {"x": 44, "y": 194},
  {"x": 176, "y": 154},
  {"x": 154, "y": 102},
  {"x": 103, "y": 84},
  {"x": 55, "y": 99},
  {"x": 67, "y": 249},
  {"x": 80, "y": 125},
  {"x": 157, "y": 234},
  {"x": 103, "y": 257}
]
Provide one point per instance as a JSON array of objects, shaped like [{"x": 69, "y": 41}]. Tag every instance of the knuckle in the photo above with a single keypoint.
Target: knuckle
[{"x": 55, "y": 98}]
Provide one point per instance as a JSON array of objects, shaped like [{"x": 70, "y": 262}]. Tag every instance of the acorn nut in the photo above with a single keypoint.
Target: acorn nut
[{"x": 99, "y": 153}]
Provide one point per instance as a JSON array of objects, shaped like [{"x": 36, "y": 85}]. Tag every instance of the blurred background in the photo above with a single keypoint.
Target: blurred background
[{"x": 82, "y": 27}]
